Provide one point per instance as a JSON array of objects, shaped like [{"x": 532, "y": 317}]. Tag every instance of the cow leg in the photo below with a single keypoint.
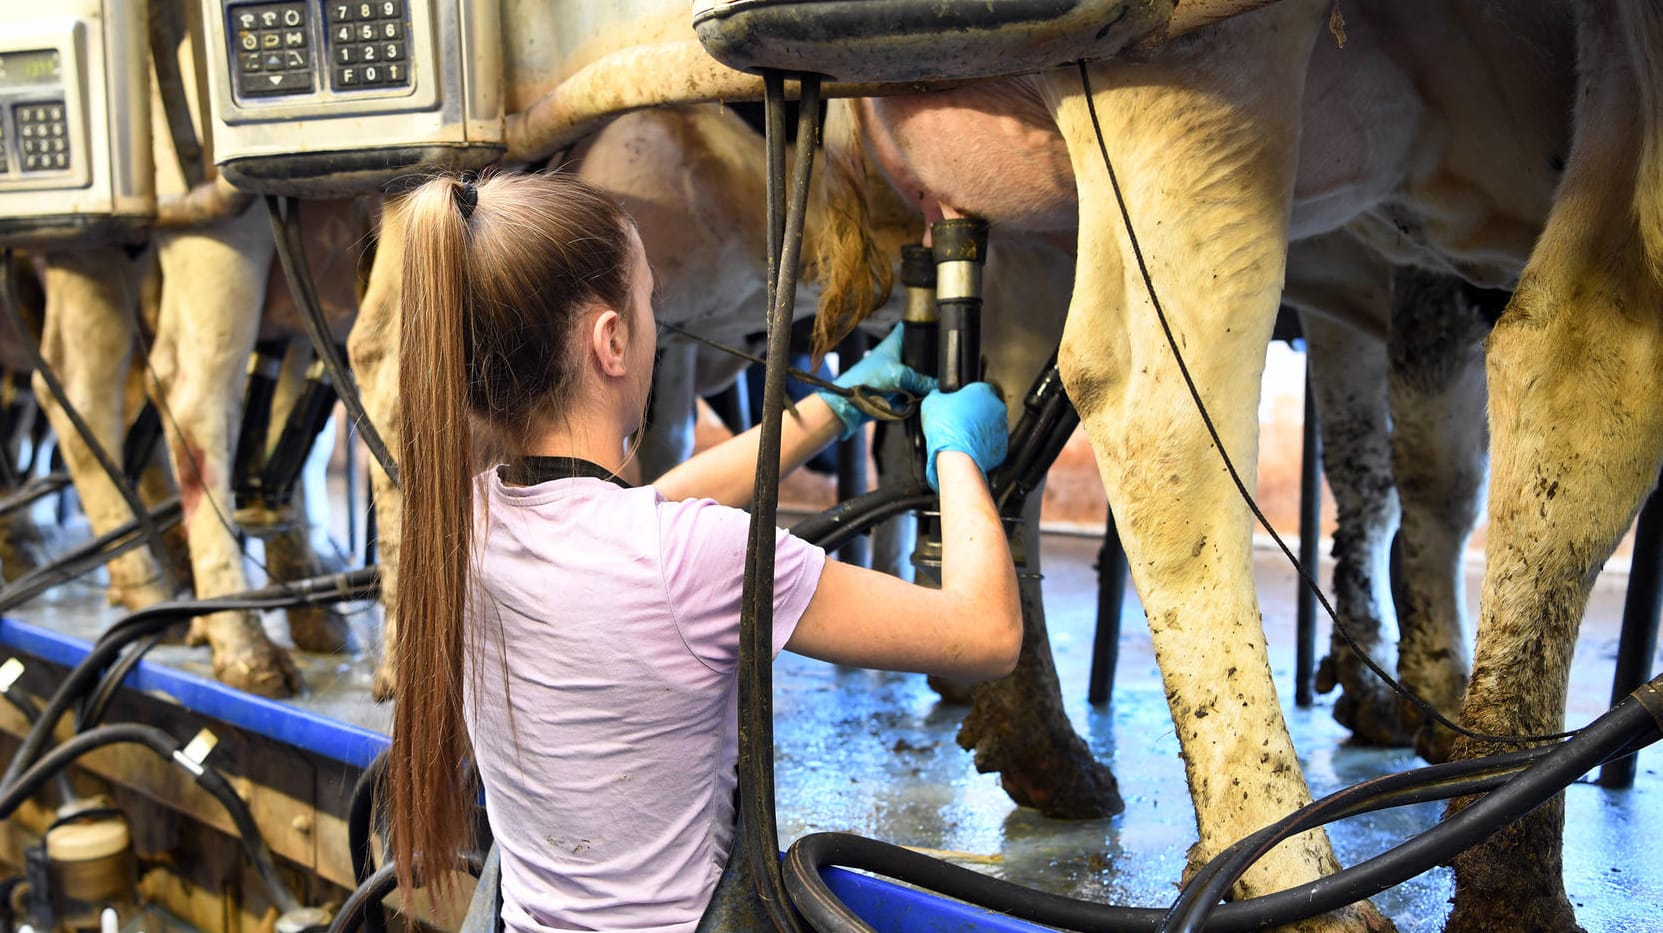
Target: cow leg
[
  {"x": 667, "y": 438},
  {"x": 1440, "y": 462},
  {"x": 1348, "y": 375},
  {"x": 213, "y": 285},
  {"x": 1573, "y": 367},
  {"x": 372, "y": 349},
  {"x": 289, "y": 553},
  {"x": 91, "y": 302},
  {"x": 1203, "y": 139}
]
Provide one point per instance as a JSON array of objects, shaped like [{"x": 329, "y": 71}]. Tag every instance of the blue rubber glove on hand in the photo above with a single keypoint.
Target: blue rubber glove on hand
[
  {"x": 971, "y": 421},
  {"x": 880, "y": 370}
]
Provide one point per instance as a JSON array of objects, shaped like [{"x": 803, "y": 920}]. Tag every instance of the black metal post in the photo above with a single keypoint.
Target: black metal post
[
  {"x": 1310, "y": 533},
  {"x": 1111, "y": 595},
  {"x": 1638, "y": 643}
]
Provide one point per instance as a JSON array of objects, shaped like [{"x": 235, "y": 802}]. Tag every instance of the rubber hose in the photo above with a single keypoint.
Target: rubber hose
[
  {"x": 16, "y": 793},
  {"x": 1549, "y": 771},
  {"x": 377, "y": 886},
  {"x": 157, "y": 618},
  {"x": 360, "y": 821}
]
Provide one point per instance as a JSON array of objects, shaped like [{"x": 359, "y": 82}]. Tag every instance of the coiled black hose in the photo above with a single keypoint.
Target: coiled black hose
[
  {"x": 1516, "y": 783},
  {"x": 357, "y": 584},
  {"x": 368, "y": 895},
  {"x": 16, "y": 792},
  {"x": 361, "y": 819}
]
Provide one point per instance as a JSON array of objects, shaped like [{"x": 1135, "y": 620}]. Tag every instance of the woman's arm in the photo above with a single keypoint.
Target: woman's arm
[
  {"x": 727, "y": 472},
  {"x": 971, "y": 628}
]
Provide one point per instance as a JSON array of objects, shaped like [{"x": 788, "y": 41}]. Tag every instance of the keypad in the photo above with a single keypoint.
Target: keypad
[
  {"x": 368, "y": 44},
  {"x": 272, "y": 43},
  {"x": 42, "y": 136}
]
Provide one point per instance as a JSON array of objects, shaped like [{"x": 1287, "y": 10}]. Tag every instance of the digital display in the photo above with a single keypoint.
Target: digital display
[{"x": 41, "y": 66}]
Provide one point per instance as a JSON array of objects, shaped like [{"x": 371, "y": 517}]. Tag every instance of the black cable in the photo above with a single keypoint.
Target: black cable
[
  {"x": 1241, "y": 487},
  {"x": 93, "y": 709},
  {"x": 32, "y": 491},
  {"x": 371, "y": 891},
  {"x": 152, "y": 534},
  {"x": 868, "y": 400},
  {"x": 379, "y": 885},
  {"x": 15, "y": 793},
  {"x": 1545, "y": 772},
  {"x": 291, "y": 253},
  {"x": 363, "y": 816},
  {"x": 87, "y": 557},
  {"x": 25, "y": 706},
  {"x": 832, "y": 528},
  {"x": 357, "y": 584}
]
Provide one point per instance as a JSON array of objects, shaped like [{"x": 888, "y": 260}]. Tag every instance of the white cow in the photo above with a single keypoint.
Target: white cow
[{"x": 1436, "y": 136}]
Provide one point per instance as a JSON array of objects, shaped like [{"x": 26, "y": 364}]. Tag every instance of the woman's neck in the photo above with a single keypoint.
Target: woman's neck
[{"x": 595, "y": 436}]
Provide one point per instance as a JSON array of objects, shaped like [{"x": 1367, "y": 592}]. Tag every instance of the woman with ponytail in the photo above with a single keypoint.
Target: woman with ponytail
[{"x": 574, "y": 641}]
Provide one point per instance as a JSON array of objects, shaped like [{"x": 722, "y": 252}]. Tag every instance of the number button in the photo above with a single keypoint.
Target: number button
[
  {"x": 366, "y": 11},
  {"x": 366, "y": 32},
  {"x": 392, "y": 51},
  {"x": 392, "y": 29},
  {"x": 346, "y": 54}
]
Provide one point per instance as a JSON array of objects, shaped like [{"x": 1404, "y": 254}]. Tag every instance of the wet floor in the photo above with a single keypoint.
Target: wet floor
[{"x": 874, "y": 754}]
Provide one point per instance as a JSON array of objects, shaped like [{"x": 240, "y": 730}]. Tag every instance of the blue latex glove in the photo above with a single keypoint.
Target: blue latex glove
[
  {"x": 971, "y": 420},
  {"x": 881, "y": 370}
]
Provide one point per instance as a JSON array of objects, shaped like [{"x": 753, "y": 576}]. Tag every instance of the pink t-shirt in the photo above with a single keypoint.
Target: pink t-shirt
[{"x": 607, "y": 741}]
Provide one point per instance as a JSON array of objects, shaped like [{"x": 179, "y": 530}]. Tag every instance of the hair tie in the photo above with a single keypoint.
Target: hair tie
[{"x": 467, "y": 197}]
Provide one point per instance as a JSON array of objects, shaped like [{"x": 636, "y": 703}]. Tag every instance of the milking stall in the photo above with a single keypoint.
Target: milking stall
[{"x": 1310, "y": 319}]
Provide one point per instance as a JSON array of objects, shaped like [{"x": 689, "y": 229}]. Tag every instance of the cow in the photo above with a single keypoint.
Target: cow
[
  {"x": 1438, "y": 138},
  {"x": 208, "y": 283}
]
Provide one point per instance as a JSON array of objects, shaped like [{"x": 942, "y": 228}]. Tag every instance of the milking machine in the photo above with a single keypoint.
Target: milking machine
[{"x": 75, "y": 171}]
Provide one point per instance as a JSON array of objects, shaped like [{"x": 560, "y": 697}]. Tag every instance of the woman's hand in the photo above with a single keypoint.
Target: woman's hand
[
  {"x": 880, "y": 370},
  {"x": 971, "y": 421}
]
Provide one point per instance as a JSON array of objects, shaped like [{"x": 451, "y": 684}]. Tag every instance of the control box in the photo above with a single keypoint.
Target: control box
[
  {"x": 75, "y": 156},
  {"x": 330, "y": 97}
]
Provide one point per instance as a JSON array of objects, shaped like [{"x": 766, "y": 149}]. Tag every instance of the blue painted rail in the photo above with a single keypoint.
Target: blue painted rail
[{"x": 888, "y": 907}]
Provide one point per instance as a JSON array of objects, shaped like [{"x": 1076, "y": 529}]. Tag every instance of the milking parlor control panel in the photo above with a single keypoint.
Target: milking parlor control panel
[
  {"x": 319, "y": 97},
  {"x": 75, "y": 159}
]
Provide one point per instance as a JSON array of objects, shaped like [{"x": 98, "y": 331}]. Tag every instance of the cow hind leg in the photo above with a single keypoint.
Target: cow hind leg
[
  {"x": 1348, "y": 375},
  {"x": 213, "y": 285},
  {"x": 1573, "y": 367},
  {"x": 372, "y": 349},
  {"x": 1440, "y": 462},
  {"x": 91, "y": 297}
]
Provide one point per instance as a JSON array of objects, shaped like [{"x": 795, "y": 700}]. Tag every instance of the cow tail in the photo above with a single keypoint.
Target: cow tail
[
  {"x": 1643, "y": 31},
  {"x": 854, "y": 275}
]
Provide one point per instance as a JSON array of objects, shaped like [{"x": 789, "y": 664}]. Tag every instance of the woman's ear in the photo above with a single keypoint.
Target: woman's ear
[{"x": 608, "y": 339}]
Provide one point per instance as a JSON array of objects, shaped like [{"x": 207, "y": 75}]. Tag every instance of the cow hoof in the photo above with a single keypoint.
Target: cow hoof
[
  {"x": 381, "y": 687},
  {"x": 265, "y": 671},
  {"x": 1366, "y": 706},
  {"x": 319, "y": 629}
]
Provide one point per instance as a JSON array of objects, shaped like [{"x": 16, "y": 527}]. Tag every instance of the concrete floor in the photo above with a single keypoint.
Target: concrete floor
[{"x": 874, "y": 753}]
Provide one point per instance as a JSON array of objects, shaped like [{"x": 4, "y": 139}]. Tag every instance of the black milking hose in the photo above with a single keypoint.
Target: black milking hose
[
  {"x": 356, "y": 584},
  {"x": 16, "y": 792},
  {"x": 89, "y": 556},
  {"x": 360, "y": 823},
  {"x": 377, "y": 886},
  {"x": 1545, "y": 772}
]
